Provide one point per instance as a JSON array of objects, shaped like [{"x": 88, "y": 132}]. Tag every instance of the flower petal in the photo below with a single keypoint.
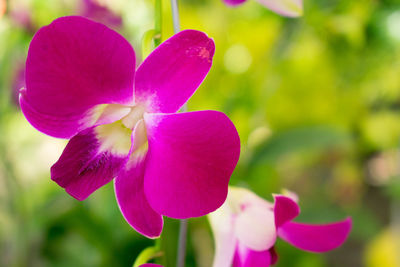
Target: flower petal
[
  {"x": 171, "y": 74},
  {"x": 91, "y": 159},
  {"x": 316, "y": 238},
  {"x": 150, "y": 265},
  {"x": 73, "y": 65},
  {"x": 234, "y": 2},
  {"x": 190, "y": 160},
  {"x": 288, "y": 8},
  {"x": 246, "y": 257},
  {"x": 255, "y": 228},
  {"x": 222, "y": 222},
  {"x": 129, "y": 192},
  {"x": 285, "y": 210}
]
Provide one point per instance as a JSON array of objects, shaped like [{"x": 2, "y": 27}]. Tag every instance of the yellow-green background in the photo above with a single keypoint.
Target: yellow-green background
[{"x": 316, "y": 101}]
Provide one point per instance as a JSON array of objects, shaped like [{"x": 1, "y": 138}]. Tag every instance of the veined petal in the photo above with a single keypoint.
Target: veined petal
[
  {"x": 285, "y": 210},
  {"x": 316, "y": 238},
  {"x": 129, "y": 192},
  {"x": 255, "y": 228},
  {"x": 222, "y": 225},
  {"x": 73, "y": 65},
  {"x": 234, "y": 2},
  {"x": 190, "y": 160},
  {"x": 91, "y": 159},
  {"x": 288, "y": 8},
  {"x": 246, "y": 257},
  {"x": 171, "y": 73}
]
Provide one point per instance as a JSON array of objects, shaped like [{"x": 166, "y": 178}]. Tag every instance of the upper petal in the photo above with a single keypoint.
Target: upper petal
[
  {"x": 190, "y": 160},
  {"x": 171, "y": 73},
  {"x": 91, "y": 159},
  {"x": 255, "y": 228},
  {"x": 150, "y": 265},
  {"x": 129, "y": 192},
  {"x": 289, "y": 8},
  {"x": 73, "y": 65},
  {"x": 316, "y": 238},
  {"x": 285, "y": 210}
]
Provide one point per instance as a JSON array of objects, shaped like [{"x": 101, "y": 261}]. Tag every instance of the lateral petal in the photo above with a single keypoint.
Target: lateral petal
[
  {"x": 316, "y": 238},
  {"x": 74, "y": 65},
  {"x": 190, "y": 160},
  {"x": 91, "y": 159}
]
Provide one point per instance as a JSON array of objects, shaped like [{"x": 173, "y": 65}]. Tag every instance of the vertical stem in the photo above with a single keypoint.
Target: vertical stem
[
  {"x": 180, "y": 262},
  {"x": 157, "y": 22},
  {"x": 175, "y": 15}
]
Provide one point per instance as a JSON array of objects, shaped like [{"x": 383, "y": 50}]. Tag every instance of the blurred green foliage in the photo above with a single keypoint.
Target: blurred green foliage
[{"x": 316, "y": 101}]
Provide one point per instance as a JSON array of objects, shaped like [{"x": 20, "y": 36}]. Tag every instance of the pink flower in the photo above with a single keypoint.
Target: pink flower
[
  {"x": 92, "y": 9},
  {"x": 246, "y": 228},
  {"x": 150, "y": 265},
  {"x": 288, "y": 8},
  {"x": 81, "y": 84}
]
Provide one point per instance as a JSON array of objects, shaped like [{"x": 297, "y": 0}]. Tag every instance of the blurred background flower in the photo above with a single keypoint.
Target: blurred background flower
[{"x": 316, "y": 101}]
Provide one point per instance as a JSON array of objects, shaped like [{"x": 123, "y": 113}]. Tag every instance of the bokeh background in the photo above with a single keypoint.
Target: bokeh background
[{"x": 316, "y": 101}]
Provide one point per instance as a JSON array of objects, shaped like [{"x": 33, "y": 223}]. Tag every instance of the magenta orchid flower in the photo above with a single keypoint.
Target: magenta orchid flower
[
  {"x": 246, "y": 227},
  {"x": 81, "y": 84},
  {"x": 150, "y": 265},
  {"x": 287, "y": 8}
]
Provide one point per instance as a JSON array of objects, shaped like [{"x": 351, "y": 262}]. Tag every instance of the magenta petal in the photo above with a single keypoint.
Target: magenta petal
[
  {"x": 171, "y": 74},
  {"x": 91, "y": 9},
  {"x": 316, "y": 238},
  {"x": 150, "y": 265},
  {"x": 73, "y": 65},
  {"x": 285, "y": 210},
  {"x": 234, "y": 2},
  {"x": 132, "y": 201},
  {"x": 245, "y": 257},
  {"x": 274, "y": 256},
  {"x": 85, "y": 165},
  {"x": 190, "y": 160}
]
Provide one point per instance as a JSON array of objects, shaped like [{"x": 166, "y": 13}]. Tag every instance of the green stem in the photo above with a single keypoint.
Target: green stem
[{"x": 157, "y": 22}]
